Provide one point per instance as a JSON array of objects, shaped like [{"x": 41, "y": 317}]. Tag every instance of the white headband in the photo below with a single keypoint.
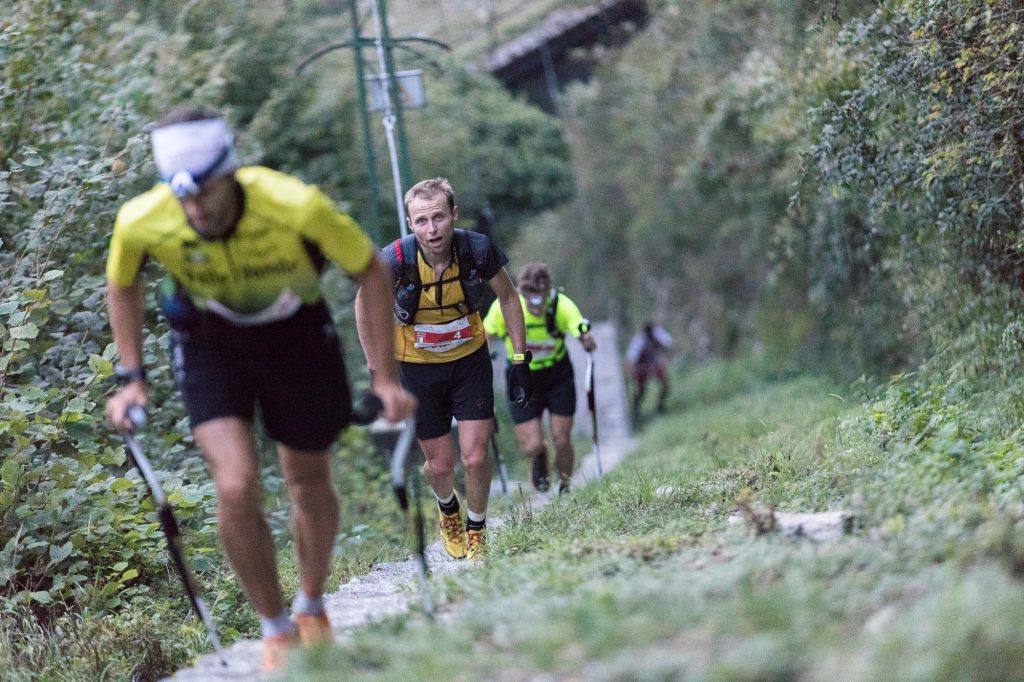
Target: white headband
[{"x": 190, "y": 153}]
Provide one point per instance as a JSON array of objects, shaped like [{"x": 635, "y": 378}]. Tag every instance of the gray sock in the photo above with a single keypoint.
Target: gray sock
[
  {"x": 303, "y": 603},
  {"x": 276, "y": 625}
]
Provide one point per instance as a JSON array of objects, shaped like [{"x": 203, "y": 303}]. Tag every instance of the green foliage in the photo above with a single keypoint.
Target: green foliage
[
  {"x": 82, "y": 558},
  {"x": 914, "y": 184},
  {"x": 686, "y": 146},
  {"x": 502, "y": 155}
]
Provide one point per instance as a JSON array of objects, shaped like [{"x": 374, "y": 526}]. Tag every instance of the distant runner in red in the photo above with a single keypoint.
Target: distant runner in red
[
  {"x": 644, "y": 359},
  {"x": 440, "y": 276}
]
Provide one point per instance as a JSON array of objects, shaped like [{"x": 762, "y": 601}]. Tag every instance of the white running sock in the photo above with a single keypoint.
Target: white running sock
[
  {"x": 311, "y": 606},
  {"x": 277, "y": 625},
  {"x": 473, "y": 516}
]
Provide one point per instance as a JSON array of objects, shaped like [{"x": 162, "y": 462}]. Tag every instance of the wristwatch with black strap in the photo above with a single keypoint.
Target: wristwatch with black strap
[
  {"x": 526, "y": 357},
  {"x": 128, "y": 375}
]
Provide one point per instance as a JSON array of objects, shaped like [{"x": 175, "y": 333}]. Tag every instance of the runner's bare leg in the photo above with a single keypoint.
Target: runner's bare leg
[{"x": 227, "y": 445}]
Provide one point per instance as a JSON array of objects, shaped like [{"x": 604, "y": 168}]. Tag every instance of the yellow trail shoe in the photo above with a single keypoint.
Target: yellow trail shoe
[
  {"x": 275, "y": 651},
  {"x": 314, "y": 630},
  {"x": 476, "y": 540},
  {"x": 452, "y": 534}
]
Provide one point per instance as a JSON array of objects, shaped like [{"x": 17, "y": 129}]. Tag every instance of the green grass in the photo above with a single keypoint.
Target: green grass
[{"x": 646, "y": 576}]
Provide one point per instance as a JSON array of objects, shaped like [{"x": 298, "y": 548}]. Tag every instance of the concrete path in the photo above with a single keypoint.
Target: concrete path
[{"x": 390, "y": 589}]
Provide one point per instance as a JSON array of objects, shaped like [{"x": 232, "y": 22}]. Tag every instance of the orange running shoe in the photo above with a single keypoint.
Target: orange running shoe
[
  {"x": 314, "y": 630},
  {"x": 275, "y": 651}
]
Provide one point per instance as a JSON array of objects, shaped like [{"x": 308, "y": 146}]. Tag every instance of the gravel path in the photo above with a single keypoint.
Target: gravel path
[{"x": 389, "y": 589}]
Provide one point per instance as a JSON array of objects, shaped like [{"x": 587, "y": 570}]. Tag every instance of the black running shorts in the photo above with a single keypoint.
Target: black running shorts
[
  {"x": 292, "y": 370},
  {"x": 462, "y": 388},
  {"x": 554, "y": 390}
]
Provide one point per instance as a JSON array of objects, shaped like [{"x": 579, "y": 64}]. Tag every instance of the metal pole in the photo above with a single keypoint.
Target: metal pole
[
  {"x": 364, "y": 119},
  {"x": 390, "y": 119},
  {"x": 405, "y": 165}
]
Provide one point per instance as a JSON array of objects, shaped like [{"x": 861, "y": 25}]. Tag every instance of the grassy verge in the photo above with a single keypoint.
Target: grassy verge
[{"x": 647, "y": 575}]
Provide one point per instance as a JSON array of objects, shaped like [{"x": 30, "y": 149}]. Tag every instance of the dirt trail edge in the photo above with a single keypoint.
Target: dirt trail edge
[{"x": 389, "y": 589}]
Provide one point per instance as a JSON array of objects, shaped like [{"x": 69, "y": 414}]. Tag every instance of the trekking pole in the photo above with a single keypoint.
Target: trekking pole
[
  {"x": 592, "y": 404},
  {"x": 137, "y": 416},
  {"x": 364, "y": 414},
  {"x": 398, "y": 464},
  {"x": 500, "y": 459}
]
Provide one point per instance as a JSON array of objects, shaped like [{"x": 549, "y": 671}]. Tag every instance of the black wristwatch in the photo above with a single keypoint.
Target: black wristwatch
[
  {"x": 126, "y": 376},
  {"x": 526, "y": 357}
]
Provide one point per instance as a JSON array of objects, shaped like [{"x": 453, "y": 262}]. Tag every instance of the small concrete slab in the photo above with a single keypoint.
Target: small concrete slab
[{"x": 817, "y": 526}]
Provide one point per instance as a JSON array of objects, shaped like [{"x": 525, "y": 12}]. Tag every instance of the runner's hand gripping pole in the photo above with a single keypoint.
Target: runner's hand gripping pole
[
  {"x": 365, "y": 413},
  {"x": 592, "y": 405},
  {"x": 520, "y": 382},
  {"x": 137, "y": 416}
]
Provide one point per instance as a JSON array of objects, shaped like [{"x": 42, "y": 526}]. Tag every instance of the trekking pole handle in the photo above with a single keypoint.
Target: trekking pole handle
[
  {"x": 137, "y": 416},
  {"x": 367, "y": 410}
]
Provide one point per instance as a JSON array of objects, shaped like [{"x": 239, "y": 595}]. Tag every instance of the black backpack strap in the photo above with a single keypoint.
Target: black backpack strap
[
  {"x": 549, "y": 316},
  {"x": 464, "y": 253},
  {"x": 405, "y": 250},
  {"x": 468, "y": 270},
  {"x": 400, "y": 256}
]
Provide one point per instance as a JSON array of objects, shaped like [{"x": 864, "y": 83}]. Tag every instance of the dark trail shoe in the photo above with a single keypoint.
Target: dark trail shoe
[{"x": 539, "y": 473}]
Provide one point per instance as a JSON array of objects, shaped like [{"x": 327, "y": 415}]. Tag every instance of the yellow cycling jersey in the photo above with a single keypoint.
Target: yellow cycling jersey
[
  {"x": 260, "y": 272},
  {"x": 546, "y": 349},
  {"x": 442, "y": 331}
]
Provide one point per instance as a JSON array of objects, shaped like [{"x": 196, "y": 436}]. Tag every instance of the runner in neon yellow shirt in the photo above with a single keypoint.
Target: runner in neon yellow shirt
[
  {"x": 244, "y": 246},
  {"x": 549, "y": 315}
]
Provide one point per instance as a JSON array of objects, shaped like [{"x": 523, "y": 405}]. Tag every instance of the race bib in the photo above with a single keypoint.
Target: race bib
[
  {"x": 438, "y": 338},
  {"x": 541, "y": 349}
]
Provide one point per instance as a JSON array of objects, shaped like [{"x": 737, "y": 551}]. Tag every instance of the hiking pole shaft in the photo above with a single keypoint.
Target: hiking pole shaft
[
  {"x": 500, "y": 459},
  {"x": 169, "y": 524},
  {"x": 399, "y": 458},
  {"x": 592, "y": 405},
  {"x": 364, "y": 413}
]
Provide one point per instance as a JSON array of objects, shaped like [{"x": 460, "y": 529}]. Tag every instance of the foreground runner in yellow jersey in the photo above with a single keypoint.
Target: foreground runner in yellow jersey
[
  {"x": 438, "y": 273},
  {"x": 244, "y": 247}
]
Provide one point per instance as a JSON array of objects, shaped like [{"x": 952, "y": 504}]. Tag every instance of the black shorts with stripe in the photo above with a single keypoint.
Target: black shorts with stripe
[
  {"x": 463, "y": 389},
  {"x": 292, "y": 371},
  {"x": 554, "y": 390}
]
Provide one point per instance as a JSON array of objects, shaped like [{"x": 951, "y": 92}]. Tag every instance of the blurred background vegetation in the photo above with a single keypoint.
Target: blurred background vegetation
[{"x": 829, "y": 184}]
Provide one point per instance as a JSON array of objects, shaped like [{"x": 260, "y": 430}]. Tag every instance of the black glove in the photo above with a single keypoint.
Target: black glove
[{"x": 520, "y": 383}]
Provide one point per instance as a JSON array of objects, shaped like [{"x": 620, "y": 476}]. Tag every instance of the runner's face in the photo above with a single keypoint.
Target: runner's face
[
  {"x": 434, "y": 225},
  {"x": 535, "y": 301},
  {"x": 211, "y": 212}
]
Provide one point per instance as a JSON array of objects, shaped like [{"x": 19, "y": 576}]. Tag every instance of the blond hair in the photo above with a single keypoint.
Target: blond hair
[{"x": 424, "y": 189}]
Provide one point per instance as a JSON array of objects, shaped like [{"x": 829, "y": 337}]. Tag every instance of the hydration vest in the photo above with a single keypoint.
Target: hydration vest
[
  {"x": 549, "y": 316},
  {"x": 408, "y": 285}
]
